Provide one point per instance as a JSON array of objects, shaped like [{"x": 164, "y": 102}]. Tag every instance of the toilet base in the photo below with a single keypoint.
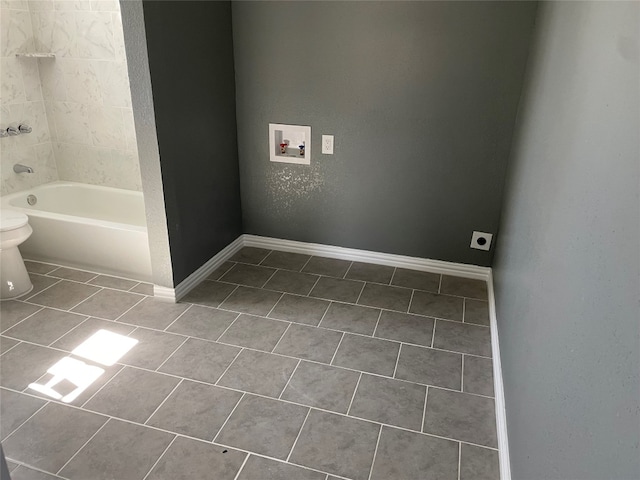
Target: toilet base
[{"x": 13, "y": 274}]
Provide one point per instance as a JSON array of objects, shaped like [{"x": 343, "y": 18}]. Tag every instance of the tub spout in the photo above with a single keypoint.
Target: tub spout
[{"x": 19, "y": 168}]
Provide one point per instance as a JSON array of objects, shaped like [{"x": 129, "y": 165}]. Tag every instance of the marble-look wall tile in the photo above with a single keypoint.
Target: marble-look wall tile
[
  {"x": 95, "y": 35},
  {"x": 129, "y": 130},
  {"x": 114, "y": 82},
  {"x": 52, "y": 80},
  {"x": 50, "y": 108},
  {"x": 80, "y": 81},
  {"x": 118, "y": 38},
  {"x": 72, "y": 123},
  {"x": 40, "y": 157},
  {"x": 11, "y": 85},
  {"x": 107, "y": 127},
  {"x": 29, "y": 113},
  {"x": 72, "y": 4},
  {"x": 105, "y": 6},
  {"x": 14, "y": 4},
  {"x": 31, "y": 79},
  {"x": 16, "y": 34}
]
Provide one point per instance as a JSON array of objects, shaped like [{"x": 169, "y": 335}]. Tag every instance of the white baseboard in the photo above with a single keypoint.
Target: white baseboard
[
  {"x": 498, "y": 386},
  {"x": 174, "y": 294},
  {"x": 402, "y": 261}
]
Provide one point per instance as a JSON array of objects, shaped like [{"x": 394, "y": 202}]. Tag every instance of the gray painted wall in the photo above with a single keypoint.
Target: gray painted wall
[
  {"x": 567, "y": 267},
  {"x": 421, "y": 98},
  {"x": 190, "y": 49}
]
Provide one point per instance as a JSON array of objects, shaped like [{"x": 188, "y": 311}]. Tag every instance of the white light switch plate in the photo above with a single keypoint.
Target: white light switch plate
[{"x": 327, "y": 144}]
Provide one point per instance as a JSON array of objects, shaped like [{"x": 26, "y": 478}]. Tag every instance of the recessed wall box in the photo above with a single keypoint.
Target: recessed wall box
[{"x": 290, "y": 143}]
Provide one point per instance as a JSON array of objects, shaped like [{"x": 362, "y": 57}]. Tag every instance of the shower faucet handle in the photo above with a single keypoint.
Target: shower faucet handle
[
  {"x": 11, "y": 131},
  {"x": 24, "y": 128},
  {"x": 3, "y": 133}
]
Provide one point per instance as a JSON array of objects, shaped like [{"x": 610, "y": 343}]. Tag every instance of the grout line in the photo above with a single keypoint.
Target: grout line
[
  {"x": 326, "y": 310},
  {"x": 377, "y": 323},
  {"x": 375, "y": 453},
  {"x": 172, "y": 353},
  {"x": 31, "y": 294},
  {"x": 464, "y": 309},
  {"x": 344, "y": 277},
  {"x": 459, "y": 458},
  {"x": 228, "y": 417},
  {"x": 229, "y": 366},
  {"x": 305, "y": 264},
  {"x": 100, "y": 389},
  {"x": 433, "y": 334},
  {"x": 144, "y": 297},
  {"x": 11, "y": 347},
  {"x": 364, "y": 284},
  {"x": 462, "y": 376},
  {"x": 163, "y": 401},
  {"x": 337, "y": 348},
  {"x": 395, "y": 269},
  {"x": 395, "y": 369},
  {"x": 18, "y": 323},
  {"x": 228, "y": 327},
  {"x": 424, "y": 411},
  {"x": 71, "y": 330},
  {"x": 275, "y": 270},
  {"x": 160, "y": 457},
  {"x": 298, "y": 436},
  {"x": 314, "y": 285},
  {"x": 227, "y": 297},
  {"x": 274, "y": 305},
  {"x": 177, "y": 318},
  {"x": 354, "y": 393},
  {"x": 79, "y": 303},
  {"x": 85, "y": 444},
  {"x": 241, "y": 467},
  {"x": 413, "y": 292},
  {"x": 440, "y": 284},
  {"x": 281, "y": 337},
  {"x": 266, "y": 256},
  {"x": 289, "y": 381},
  {"x": 46, "y": 402}
]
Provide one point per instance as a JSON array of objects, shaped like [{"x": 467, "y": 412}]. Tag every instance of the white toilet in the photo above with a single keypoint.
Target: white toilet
[{"x": 14, "y": 229}]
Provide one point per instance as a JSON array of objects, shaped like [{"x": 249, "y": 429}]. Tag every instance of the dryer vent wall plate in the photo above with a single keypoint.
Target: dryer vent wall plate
[{"x": 481, "y": 240}]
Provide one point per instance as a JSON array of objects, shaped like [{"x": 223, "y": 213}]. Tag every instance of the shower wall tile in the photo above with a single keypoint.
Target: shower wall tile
[
  {"x": 105, "y": 6},
  {"x": 72, "y": 122},
  {"x": 80, "y": 81},
  {"x": 52, "y": 80},
  {"x": 11, "y": 86},
  {"x": 31, "y": 79},
  {"x": 15, "y": 32},
  {"x": 94, "y": 35},
  {"x": 14, "y": 4},
  {"x": 113, "y": 79},
  {"x": 30, "y": 113},
  {"x": 107, "y": 127},
  {"x": 40, "y": 157}
]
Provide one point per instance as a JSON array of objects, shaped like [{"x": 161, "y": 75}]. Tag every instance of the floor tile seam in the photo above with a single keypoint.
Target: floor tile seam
[
  {"x": 433, "y": 332},
  {"x": 375, "y": 329},
  {"x": 53, "y": 308},
  {"x": 83, "y": 405},
  {"x": 29, "y": 342},
  {"x": 274, "y": 306},
  {"x": 18, "y": 342},
  {"x": 462, "y": 376},
  {"x": 135, "y": 286},
  {"x": 30, "y": 467},
  {"x": 353, "y": 395},
  {"x": 281, "y": 337},
  {"x": 189, "y": 307},
  {"x": 20, "y": 321},
  {"x": 464, "y": 310},
  {"x": 295, "y": 442},
  {"x": 30, "y": 295},
  {"x": 375, "y": 452},
  {"x": 157, "y": 369},
  {"x": 217, "y": 340},
  {"x": 313, "y": 286},
  {"x": 459, "y": 458},
  {"x": 80, "y": 303},
  {"x": 69, "y": 331},
  {"x": 244, "y": 462},
  {"x": 142, "y": 299},
  {"x": 164, "y": 401},
  {"x": 424, "y": 410},
  {"x": 337, "y": 348},
  {"x": 84, "y": 445},
  {"x": 364, "y": 285},
  {"x": 413, "y": 292},
  {"x": 236, "y": 287},
  {"x": 95, "y": 275},
  {"x": 227, "y": 369},
  {"x": 440, "y": 284},
  {"x": 160, "y": 457},
  {"x": 289, "y": 379},
  {"x": 462, "y": 323},
  {"x": 395, "y": 368},
  {"x": 46, "y": 402},
  {"x": 224, "y": 424},
  {"x": 275, "y": 270}
]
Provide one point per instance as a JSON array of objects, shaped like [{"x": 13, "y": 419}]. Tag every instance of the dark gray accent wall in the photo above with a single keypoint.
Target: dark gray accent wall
[
  {"x": 190, "y": 49},
  {"x": 567, "y": 268},
  {"x": 421, "y": 98}
]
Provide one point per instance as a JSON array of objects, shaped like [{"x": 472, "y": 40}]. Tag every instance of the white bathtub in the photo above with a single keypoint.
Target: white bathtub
[{"x": 101, "y": 229}]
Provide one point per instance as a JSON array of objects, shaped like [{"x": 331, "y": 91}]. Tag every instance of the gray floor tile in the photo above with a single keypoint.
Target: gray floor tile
[
  {"x": 292, "y": 282},
  {"x": 462, "y": 337},
  {"x": 252, "y": 301},
  {"x": 86, "y": 329},
  {"x": 382, "y": 296},
  {"x": 72, "y": 274},
  {"x": 258, "y": 372},
  {"x": 13, "y": 311},
  {"x": 254, "y": 332},
  {"x": 11, "y": 466},
  {"x": 250, "y": 255},
  {"x": 152, "y": 349},
  {"x": 464, "y": 287},
  {"x": 148, "y": 389},
  {"x": 336, "y": 444},
  {"x": 264, "y": 426},
  {"x": 200, "y": 360},
  {"x": 367, "y": 354},
  {"x": 286, "y": 260},
  {"x": 433, "y": 305},
  {"x": 370, "y": 272},
  {"x": 429, "y": 366},
  {"x": 351, "y": 318},
  {"x": 113, "y": 282},
  {"x": 478, "y": 375},
  {"x": 15, "y": 409},
  {"x": 330, "y": 267},
  {"x": 209, "y": 293},
  {"x": 461, "y": 416},
  {"x": 260, "y": 468},
  {"x": 337, "y": 289},
  {"x": 143, "y": 288},
  {"x": 7, "y": 344},
  {"x": 188, "y": 459},
  {"x": 300, "y": 309},
  {"x": 415, "y": 279},
  {"x": 404, "y": 327},
  {"x": 120, "y": 450},
  {"x": 45, "y": 326},
  {"x": 109, "y": 304},
  {"x": 310, "y": 343},
  {"x": 249, "y": 275},
  {"x": 408, "y": 455},
  {"x": 203, "y": 322},
  {"x": 38, "y": 267},
  {"x": 153, "y": 313},
  {"x": 25, "y": 473},
  {"x": 476, "y": 311},
  {"x": 195, "y": 409},
  {"x": 477, "y": 463},
  {"x": 393, "y": 402},
  {"x": 26, "y": 363},
  {"x": 322, "y": 386},
  {"x": 220, "y": 271},
  {"x": 40, "y": 282},
  {"x": 51, "y": 437}
]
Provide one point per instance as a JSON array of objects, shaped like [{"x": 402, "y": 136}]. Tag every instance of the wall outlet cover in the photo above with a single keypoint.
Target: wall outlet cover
[{"x": 481, "y": 240}]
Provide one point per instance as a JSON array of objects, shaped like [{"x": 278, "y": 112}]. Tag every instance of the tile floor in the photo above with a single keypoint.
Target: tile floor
[{"x": 279, "y": 366}]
